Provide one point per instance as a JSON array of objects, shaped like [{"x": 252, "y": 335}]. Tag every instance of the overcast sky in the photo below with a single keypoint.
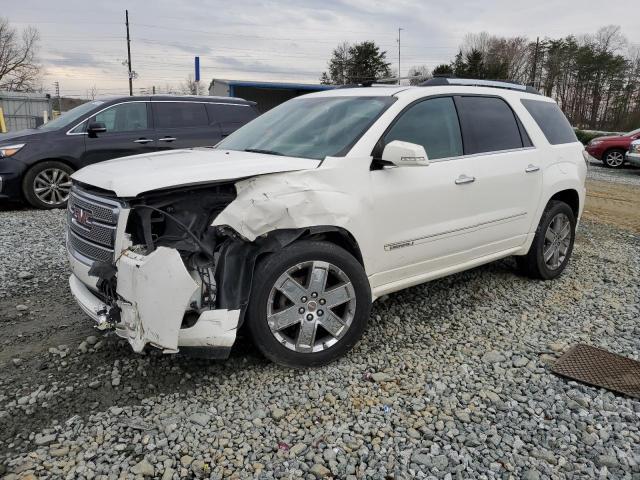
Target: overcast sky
[{"x": 83, "y": 42}]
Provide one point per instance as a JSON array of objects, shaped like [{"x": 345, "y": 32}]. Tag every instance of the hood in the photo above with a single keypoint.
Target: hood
[
  {"x": 607, "y": 137},
  {"x": 131, "y": 176},
  {"x": 19, "y": 135}
]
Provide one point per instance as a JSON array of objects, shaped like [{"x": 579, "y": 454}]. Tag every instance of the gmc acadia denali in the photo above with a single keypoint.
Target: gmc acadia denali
[{"x": 293, "y": 224}]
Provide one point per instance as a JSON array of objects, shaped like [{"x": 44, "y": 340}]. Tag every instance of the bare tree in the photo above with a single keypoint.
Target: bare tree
[
  {"x": 92, "y": 93},
  {"x": 191, "y": 87},
  {"x": 419, "y": 74},
  {"x": 19, "y": 69}
]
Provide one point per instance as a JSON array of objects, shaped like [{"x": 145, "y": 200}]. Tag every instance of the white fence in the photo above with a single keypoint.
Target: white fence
[{"x": 24, "y": 110}]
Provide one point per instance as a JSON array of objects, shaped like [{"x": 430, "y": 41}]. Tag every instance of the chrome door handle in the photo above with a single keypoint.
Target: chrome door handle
[
  {"x": 167, "y": 139},
  {"x": 462, "y": 179},
  {"x": 531, "y": 168},
  {"x": 143, "y": 140}
]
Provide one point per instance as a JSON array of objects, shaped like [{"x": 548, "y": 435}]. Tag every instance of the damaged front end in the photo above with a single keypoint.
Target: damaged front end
[{"x": 161, "y": 284}]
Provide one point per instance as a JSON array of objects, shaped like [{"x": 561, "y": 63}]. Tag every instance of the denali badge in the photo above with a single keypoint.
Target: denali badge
[{"x": 81, "y": 216}]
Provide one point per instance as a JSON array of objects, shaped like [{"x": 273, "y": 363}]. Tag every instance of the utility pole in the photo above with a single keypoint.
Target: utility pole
[
  {"x": 399, "y": 30},
  {"x": 534, "y": 67},
  {"x": 126, "y": 12},
  {"x": 57, "y": 85}
]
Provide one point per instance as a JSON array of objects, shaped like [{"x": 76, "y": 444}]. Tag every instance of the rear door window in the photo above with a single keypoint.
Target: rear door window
[
  {"x": 179, "y": 115},
  {"x": 488, "y": 125},
  {"x": 551, "y": 120},
  {"x": 431, "y": 123}
]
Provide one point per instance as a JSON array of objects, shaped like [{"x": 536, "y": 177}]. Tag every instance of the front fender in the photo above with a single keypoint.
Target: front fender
[{"x": 296, "y": 200}]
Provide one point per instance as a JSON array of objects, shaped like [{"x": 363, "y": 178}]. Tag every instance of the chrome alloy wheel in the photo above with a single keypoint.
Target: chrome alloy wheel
[
  {"x": 615, "y": 158},
  {"x": 311, "y": 306},
  {"x": 52, "y": 186},
  {"x": 557, "y": 240}
]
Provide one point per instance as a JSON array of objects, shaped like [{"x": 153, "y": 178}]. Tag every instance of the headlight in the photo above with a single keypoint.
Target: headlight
[
  {"x": 635, "y": 147},
  {"x": 10, "y": 150},
  {"x": 595, "y": 142}
]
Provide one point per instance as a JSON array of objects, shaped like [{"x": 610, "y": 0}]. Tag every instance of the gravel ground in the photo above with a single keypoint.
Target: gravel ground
[
  {"x": 629, "y": 175},
  {"x": 450, "y": 381}
]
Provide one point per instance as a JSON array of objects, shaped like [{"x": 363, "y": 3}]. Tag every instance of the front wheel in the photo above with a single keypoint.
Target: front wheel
[
  {"x": 552, "y": 245},
  {"x": 47, "y": 184},
  {"x": 309, "y": 304},
  {"x": 614, "y": 158}
]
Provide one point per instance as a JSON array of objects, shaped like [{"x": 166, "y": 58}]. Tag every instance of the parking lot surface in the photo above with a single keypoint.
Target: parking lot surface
[{"x": 451, "y": 377}]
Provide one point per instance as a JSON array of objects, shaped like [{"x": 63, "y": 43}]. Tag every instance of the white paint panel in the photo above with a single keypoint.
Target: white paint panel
[
  {"x": 157, "y": 289},
  {"x": 130, "y": 176}
]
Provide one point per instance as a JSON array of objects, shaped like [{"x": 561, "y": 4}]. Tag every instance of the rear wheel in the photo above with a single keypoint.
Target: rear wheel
[
  {"x": 553, "y": 243},
  {"x": 614, "y": 158},
  {"x": 309, "y": 305},
  {"x": 47, "y": 184}
]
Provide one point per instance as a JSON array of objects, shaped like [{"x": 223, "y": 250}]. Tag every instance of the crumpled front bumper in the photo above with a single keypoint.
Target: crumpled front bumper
[{"x": 154, "y": 293}]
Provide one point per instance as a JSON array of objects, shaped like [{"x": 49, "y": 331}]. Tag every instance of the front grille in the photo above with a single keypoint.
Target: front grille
[
  {"x": 92, "y": 223},
  {"x": 89, "y": 250}
]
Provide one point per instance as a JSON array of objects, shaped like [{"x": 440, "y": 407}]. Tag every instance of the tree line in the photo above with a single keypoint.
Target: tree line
[{"x": 594, "y": 78}]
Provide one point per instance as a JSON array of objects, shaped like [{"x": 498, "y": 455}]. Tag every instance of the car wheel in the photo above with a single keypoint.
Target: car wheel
[
  {"x": 309, "y": 304},
  {"x": 552, "y": 245},
  {"x": 47, "y": 184},
  {"x": 614, "y": 158}
]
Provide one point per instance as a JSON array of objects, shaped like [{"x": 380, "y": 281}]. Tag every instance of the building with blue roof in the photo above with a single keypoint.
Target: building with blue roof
[{"x": 266, "y": 94}]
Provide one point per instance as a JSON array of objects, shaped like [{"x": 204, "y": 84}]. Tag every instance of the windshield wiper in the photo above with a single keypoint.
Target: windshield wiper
[{"x": 266, "y": 152}]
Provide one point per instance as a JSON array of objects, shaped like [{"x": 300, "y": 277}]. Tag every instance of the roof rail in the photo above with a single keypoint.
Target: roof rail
[{"x": 472, "y": 82}]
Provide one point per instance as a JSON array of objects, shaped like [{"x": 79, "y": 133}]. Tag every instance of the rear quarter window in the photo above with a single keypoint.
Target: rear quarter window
[
  {"x": 230, "y": 113},
  {"x": 179, "y": 114},
  {"x": 551, "y": 120}
]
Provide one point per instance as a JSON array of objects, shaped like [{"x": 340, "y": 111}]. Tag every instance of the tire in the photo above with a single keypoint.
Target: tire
[
  {"x": 533, "y": 264},
  {"x": 613, "y": 158},
  {"x": 52, "y": 175},
  {"x": 281, "y": 325}
]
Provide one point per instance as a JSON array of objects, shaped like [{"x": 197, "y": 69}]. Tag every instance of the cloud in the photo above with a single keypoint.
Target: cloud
[{"x": 279, "y": 40}]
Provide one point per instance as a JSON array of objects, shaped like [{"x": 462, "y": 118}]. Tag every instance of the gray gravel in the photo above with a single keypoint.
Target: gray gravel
[
  {"x": 33, "y": 251},
  {"x": 629, "y": 175},
  {"x": 450, "y": 381}
]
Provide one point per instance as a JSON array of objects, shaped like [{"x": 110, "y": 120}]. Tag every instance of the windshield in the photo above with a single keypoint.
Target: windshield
[
  {"x": 71, "y": 116},
  {"x": 309, "y": 127},
  {"x": 632, "y": 132}
]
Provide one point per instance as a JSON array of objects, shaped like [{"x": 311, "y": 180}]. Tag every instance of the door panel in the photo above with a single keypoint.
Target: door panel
[
  {"x": 508, "y": 188},
  {"x": 509, "y": 172},
  {"x": 183, "y": 125},
  {"x": 129, "y": 132},
  {"x": 423, "y": 218},
  {"x": 425, "y": 215}
]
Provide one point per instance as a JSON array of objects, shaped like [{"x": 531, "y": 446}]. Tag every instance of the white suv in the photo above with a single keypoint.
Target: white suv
[{"x": 296, "y": 222}]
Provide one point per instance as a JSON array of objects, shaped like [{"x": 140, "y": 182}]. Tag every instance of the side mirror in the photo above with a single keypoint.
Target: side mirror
[
  {"x": 96, "y": 127},
  {"x": 405, "y": 154}
]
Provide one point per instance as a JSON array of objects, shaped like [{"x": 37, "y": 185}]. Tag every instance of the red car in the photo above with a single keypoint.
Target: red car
[{"x": 611, "y": 150}]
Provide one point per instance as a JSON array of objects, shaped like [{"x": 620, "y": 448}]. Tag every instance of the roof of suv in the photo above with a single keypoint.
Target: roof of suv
[
  {"x": 165, "y": 98},
  {"x": 406, "y": 91}
]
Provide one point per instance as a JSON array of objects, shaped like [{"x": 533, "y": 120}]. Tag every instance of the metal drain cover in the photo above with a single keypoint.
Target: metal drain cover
[{"x": 600, "y": 368}]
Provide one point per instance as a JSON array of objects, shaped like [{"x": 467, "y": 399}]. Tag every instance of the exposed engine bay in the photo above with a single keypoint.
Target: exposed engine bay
[{"x": 177, "y": 278}]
